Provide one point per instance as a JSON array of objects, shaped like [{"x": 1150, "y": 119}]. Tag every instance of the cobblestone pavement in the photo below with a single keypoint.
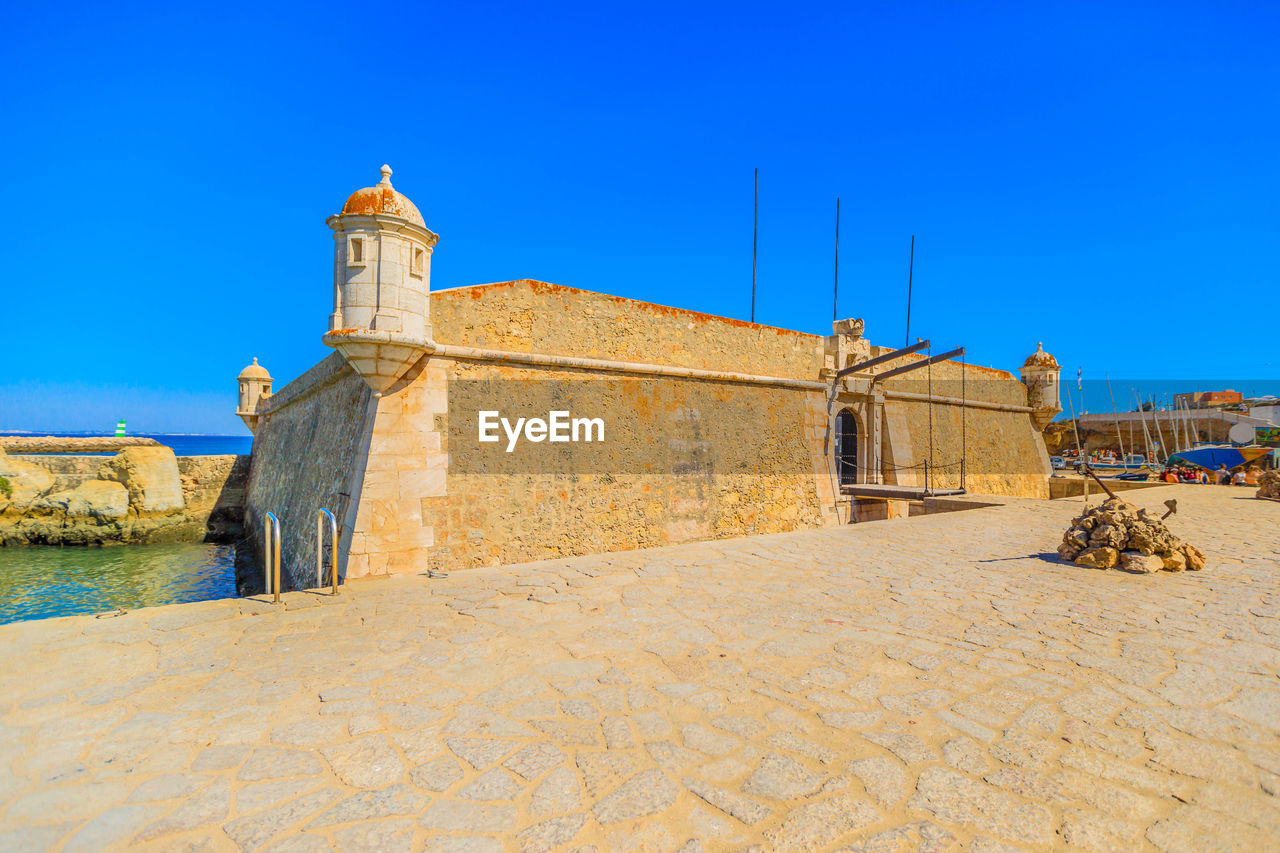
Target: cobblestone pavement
[{"x": 933, "y": 683}]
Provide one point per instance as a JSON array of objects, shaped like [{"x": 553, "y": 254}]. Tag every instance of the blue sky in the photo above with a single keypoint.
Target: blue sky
[{"x": 168, "y": 171}]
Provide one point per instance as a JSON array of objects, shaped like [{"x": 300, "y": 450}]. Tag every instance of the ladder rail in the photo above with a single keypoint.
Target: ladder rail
[
  {"x": 271, "y": 566},
  {"x": 333, "y": 548}
]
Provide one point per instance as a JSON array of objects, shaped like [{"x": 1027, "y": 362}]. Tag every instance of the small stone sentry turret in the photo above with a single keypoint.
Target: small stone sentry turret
[
  {"x": 1040, "y": 374},
  {"x": 255, "y": 384},
  {"x": 381, "y": 280}
]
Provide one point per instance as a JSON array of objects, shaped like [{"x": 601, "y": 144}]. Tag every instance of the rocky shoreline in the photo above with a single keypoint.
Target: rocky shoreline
[{"x": 142, "y": 494}]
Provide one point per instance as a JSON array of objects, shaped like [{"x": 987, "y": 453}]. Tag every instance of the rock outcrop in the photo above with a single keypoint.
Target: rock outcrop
[
  {"x": 92, "y": 499},
  {"x": 1117, "y": 534},
  {"x": 151, "y": 476},
  {"x": 135, "y": 496},
  {"x": 27, "y": 482}
]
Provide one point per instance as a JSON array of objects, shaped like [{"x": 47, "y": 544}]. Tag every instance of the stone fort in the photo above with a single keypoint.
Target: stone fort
[{"x": 709, "y": 427}]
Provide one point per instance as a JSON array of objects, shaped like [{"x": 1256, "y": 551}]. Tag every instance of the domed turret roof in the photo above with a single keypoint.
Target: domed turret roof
[
  {"x": 1040, "y": 358},
  {"x": 255, "y": 371},
  {"x": 383, "y": 199}
]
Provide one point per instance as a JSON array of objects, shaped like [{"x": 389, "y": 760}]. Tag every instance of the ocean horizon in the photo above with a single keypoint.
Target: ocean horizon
[{"x": 183, "y": 444}]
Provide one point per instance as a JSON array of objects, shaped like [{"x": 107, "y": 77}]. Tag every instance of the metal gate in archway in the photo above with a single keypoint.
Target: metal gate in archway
[{"x": 846, "y": 448}]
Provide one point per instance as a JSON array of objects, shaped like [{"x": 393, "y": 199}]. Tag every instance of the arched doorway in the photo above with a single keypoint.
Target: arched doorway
[{"x": 846, "y": 448}]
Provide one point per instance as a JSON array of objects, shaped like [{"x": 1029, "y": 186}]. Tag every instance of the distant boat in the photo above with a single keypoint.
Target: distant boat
[
  {"x": 1114, "y": 466},
  {"x": 1212, "y": 456},
  {"x": 120, "y": 428}
]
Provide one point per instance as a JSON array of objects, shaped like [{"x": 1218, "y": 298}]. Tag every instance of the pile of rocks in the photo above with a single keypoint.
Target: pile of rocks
[
  {"x": 1119, "y": 535},
  {"x": 1269, "y": 486}
]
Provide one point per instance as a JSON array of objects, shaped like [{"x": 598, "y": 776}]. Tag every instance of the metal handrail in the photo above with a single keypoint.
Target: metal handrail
[
  {"x": 333, "y": 548},
  {"x": 271, "y": 527}
]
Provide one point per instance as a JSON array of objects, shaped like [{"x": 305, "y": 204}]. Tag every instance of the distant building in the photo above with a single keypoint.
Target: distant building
[
  {"x": 1270, "y": 413},
  {"x": 1266, "y": 407},
  {"x": 1208, "y": 398}
]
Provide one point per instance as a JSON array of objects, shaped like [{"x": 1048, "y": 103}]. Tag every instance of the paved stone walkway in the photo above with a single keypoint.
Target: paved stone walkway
[{"x": 934, "y": 683}]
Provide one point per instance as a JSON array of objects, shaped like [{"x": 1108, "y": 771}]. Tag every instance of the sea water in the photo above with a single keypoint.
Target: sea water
[
  {"x": 182, "y": 444},
  {"x": 40, "y": 582}
]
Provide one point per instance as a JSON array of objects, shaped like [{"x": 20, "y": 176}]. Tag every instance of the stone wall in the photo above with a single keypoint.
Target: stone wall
[
  {"x": 307, "y": 454},
  {"x": 213, "y": 493},
  {"x": 682, "y": 460},
  {"x": 1071, "y": 486},
  {"x": 68, "y": 471},
  {"x": 1004, "y": 454},
  {"x": 534, "y": 316}
]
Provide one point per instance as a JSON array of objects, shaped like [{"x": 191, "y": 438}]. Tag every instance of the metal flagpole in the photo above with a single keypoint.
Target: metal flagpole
[
  {"x": 929, "y": 372},
  {"x": 1080, "y": 460},
  {"x": 755, "y": 233},
  {"x": 911, "y": 268},
  {"x": 835, "y": 289},
  {"x": 964, "y": 408},
  {"x": 1075, "y": 423}
]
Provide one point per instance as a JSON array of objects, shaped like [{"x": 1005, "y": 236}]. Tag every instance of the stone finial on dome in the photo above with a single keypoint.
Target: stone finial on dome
[
  {"x": 1040, "y": 358},
  {"x": 383, "y": 199},
  {"x": 255, "y": 371}
]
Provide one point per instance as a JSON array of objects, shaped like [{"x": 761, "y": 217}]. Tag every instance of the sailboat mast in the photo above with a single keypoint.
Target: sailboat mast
[
  {"x": 1116, "y": 415},
  {"x": 1146, "y": 439},
  {"x": 1075, "y": 426},
  {"x": 1132, "y": 443},
  {"x": 1159, "y": 432}
]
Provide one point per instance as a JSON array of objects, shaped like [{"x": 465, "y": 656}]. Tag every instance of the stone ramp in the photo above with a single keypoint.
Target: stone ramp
[{"x": 936, "y": 682}]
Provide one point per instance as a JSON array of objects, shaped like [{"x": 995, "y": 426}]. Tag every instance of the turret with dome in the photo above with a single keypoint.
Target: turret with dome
[
  {"x": 255, "y": 385},
  {"x": 1040, "y": 373},
  {"x": 381, "y": 280},
  {"x": 381, "y": 262}
]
